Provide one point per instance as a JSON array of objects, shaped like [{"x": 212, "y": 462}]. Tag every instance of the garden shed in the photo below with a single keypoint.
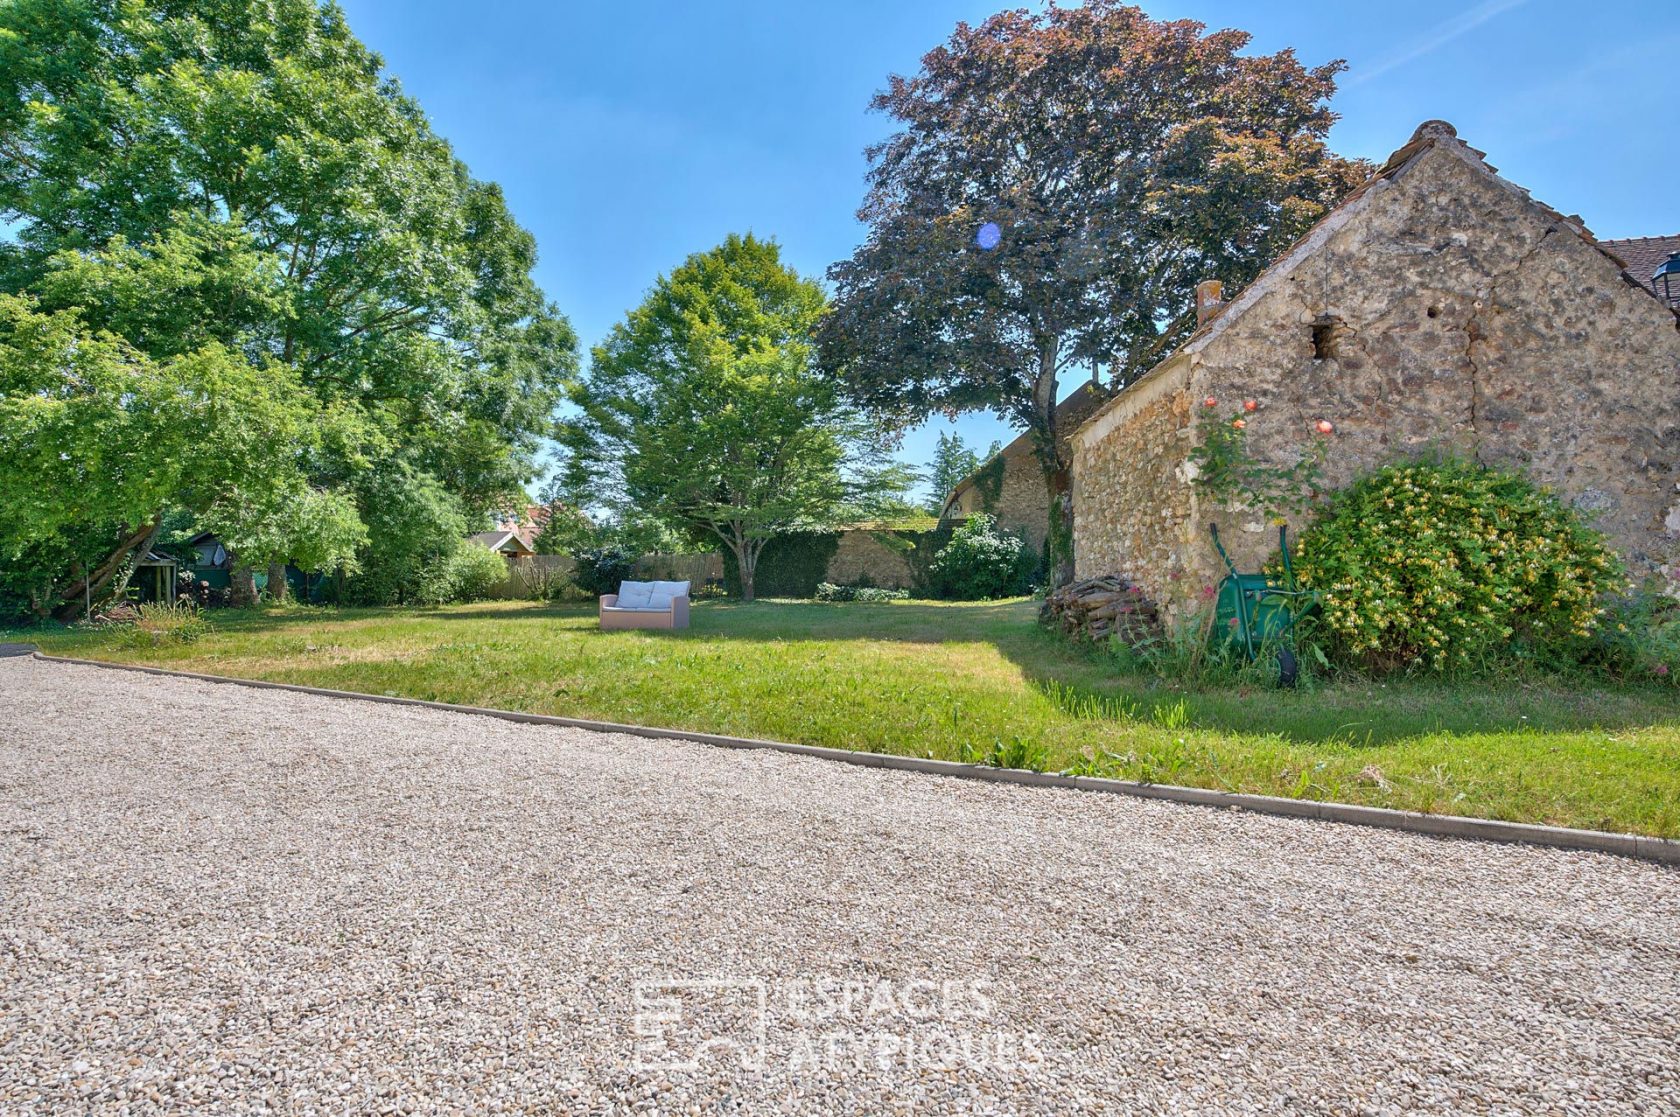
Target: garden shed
[{"x": 1438, "y": 308}]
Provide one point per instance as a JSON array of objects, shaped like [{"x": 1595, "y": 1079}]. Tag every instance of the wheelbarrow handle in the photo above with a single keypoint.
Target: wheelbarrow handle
[{"x": 1213, "y": 530}]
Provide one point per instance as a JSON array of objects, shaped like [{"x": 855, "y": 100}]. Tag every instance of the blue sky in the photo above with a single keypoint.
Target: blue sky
[{"x": 628, "y": 135}]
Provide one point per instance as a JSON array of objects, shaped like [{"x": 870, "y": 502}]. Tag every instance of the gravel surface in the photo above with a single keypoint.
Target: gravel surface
[{"x": 226, "y": 900}]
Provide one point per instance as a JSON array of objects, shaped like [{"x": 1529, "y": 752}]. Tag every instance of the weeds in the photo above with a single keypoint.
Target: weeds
[
  {"x": 1017, "y": 752},
  {"x": 155, "y": 625}
]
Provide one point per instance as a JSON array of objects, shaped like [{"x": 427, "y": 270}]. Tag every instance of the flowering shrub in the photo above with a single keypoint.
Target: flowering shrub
[
  {"x": 1439, "y": 564},
  {"x": 981, "y": 562}
]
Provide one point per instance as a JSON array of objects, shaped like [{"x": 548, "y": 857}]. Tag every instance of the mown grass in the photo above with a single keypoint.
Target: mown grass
[{"x": 960, "y": 680}]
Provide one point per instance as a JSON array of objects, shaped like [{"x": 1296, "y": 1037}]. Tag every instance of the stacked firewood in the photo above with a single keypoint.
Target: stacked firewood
[{"x": 1099, "y": 608}]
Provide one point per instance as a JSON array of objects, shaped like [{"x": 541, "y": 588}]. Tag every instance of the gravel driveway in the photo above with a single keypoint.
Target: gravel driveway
[{"x": 238, "y": 901}]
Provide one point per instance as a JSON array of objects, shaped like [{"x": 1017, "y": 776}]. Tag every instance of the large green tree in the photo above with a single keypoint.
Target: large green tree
[
  {"x": 245, "y": 173},
  {"x": 98, "y": 437},
  {"x": 704, "y": 411},
  {"x": 1059, "y": 183}
]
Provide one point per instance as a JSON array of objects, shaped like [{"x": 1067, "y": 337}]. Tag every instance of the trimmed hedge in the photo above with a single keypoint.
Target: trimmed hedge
[{"x": 790, "y": 565}]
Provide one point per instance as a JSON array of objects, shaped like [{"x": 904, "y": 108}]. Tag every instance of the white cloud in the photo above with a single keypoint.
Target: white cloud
[{"x": 1440, "y": 35}]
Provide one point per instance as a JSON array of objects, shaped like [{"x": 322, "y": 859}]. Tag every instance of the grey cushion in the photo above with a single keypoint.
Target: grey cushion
[
  {"x": 657, "y": 600},
  {"x": 634, "y": 595},
  {"x": 671, "y": 589}
]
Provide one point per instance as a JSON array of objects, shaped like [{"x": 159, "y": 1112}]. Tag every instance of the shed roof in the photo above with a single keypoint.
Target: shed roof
[{"x": 500, "y": 540}]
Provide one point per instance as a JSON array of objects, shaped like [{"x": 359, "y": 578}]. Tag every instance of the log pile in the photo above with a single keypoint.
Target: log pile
[{"x": 1101, "y": 608}]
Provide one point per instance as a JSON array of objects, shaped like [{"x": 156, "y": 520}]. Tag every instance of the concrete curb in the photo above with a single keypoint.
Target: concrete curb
[{"x": 1660, "y": 850}]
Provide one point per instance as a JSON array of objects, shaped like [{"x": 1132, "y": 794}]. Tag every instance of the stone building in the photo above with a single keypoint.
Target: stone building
[
  {"x": 1438, "y": 307},
  {"x": 1010, "y": 484}
]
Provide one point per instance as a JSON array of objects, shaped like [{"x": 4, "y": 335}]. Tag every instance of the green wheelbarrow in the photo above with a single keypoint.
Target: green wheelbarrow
[{"x": 1251, "y": 612}]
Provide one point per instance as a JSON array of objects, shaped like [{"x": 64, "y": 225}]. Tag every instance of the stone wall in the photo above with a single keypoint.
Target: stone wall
[
  {"x": 1441, "y": 310},
  {"x": 865, "y": 556},
  {"x": 1134, "y": 508},
  {"x": 1014, "y": 492}
]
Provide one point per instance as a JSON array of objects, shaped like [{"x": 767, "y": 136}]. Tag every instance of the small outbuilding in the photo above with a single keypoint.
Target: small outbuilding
[
  {"x": 508, "y": 544},
  {"x": 1438, "y": 307}
]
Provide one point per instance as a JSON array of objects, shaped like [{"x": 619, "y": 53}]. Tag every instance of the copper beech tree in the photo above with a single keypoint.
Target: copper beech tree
[{"x": 1058, "y": 184}]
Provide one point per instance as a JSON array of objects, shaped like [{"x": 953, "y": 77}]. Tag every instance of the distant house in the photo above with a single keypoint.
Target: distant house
[
  {"x": 1644, "y": 257},
  {"x": 1010, "y": 484},
  {"x": 509, "y": 544},
  {"x": 1438, "y": 307}
]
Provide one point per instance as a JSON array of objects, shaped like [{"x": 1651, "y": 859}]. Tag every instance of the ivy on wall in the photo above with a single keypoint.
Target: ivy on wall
[
  {"x": 988, "y": 481},
  {"x": 791, "y": 565}
]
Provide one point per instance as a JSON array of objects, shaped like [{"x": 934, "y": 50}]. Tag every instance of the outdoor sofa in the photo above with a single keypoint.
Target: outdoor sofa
[{"x": 646, "y": 605}]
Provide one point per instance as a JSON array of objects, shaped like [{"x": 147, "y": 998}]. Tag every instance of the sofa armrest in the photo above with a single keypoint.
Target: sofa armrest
[
  {"x": 608, "y": 600},
  {"x": 679, "y": 611}
]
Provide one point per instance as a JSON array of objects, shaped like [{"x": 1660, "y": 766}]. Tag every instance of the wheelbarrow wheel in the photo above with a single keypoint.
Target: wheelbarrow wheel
[{"x": 1289, "y": 671}]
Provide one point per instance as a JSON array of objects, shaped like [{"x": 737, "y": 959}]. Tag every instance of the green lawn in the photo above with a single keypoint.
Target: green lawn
[{"x": 936, "y": 679}]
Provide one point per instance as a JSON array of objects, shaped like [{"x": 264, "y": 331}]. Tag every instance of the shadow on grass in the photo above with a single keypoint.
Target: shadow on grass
[{"x": 1082, "y": 682}]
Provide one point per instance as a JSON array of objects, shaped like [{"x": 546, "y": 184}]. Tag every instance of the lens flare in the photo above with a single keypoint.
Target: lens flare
[{"x": 988, "y": 236}]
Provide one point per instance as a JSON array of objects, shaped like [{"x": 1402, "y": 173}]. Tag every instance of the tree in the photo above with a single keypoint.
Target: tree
[
  {"x": 952, "y": 462},
  {"x": 244, "y": 172},
  {"x": 94, "y": 433},
  {"x": 703, "y": 411},
  {"x": 1060, "y": 183}
]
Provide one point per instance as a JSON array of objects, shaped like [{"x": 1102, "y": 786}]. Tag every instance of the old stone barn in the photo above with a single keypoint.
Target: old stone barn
[{"x": 1439, "y": 307}]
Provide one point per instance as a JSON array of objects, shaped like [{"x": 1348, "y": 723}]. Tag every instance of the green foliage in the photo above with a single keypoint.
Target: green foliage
[
  {"x": 952, "y": 462},
  {"x": 414, "y": 523},
  {"x": 32, "y": 577},
  {"x": 600, "y": 570},
  {"x": 1231, "y": 475},
  {"x": 1449, "y": 565},
  {"x": 868, "y": 595},
  {"x": 1017, "y": 752},
  {"x": 792, "y": 565},
  {"x": 702, "y": 410},
  {"x": 241, "y": 184},
  {"x": 1123, "y": 159},
  {"x": 471, "y": 573},
  {"x": 981, "y": 562},
  {"x": 1638, "y": 640},
  {"x": 988, "y": 481},
  {"x": 567, "y": 531}
]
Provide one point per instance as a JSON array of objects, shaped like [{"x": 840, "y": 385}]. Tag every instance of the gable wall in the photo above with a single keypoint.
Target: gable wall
[
  {"x": 1022, "y": 504},
  {"x": 1473, "y": 320}
]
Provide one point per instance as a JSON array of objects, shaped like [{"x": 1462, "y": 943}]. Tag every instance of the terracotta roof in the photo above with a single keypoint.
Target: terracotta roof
[{"x": 1642, "y": 256}]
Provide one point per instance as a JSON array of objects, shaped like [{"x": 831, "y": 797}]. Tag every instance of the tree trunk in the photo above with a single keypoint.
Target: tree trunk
[
  {"x": 1058, "y": 544},
  {"x": 94, "y": 586},
  {"x": 1058, "y": 471},
  {"x": 277, "y": 582},
  {"x": 242, "y": 586},
  {"x": 746, "y": 561}
]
